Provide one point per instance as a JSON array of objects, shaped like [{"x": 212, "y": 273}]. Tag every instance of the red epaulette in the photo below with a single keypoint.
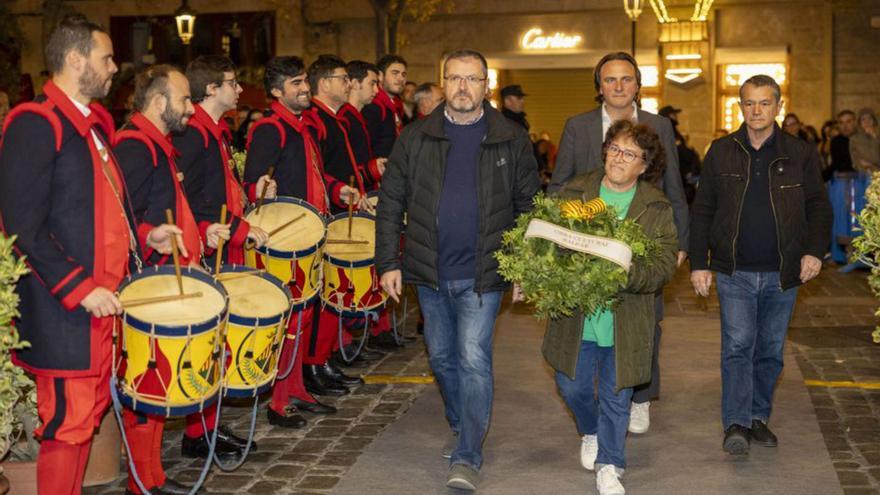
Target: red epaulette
[
  {"x": 204, "y": 132},
  {"x": 105, "y": 120},
  {"x": 311, "y": 119},
  {"x": 138, "y": 136},
  {"x": 43, "y": 110},
  {"x": 273, "y": 120}
]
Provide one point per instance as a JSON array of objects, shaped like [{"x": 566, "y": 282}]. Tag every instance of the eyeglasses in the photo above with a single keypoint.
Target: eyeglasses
[
  {"x": 628, "y": 156},
  {"x": 471, "y": 80},
  {"x": 344, "y": 77},
  {"x": 232, "y": 82}
]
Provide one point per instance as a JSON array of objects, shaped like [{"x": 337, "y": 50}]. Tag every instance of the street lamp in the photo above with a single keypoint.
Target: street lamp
[
  {"x": 633, "y": 9},
  {"x": 186, "y": 22}
]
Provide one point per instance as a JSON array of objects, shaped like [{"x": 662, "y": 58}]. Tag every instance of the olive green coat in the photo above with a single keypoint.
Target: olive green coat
[{"x": 634, "y": 314}]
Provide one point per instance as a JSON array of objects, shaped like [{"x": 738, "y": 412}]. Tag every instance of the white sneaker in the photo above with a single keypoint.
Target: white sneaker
[
  {"x": 608, "y": 481},
  {"x": 639, "y": 417},
  {"x": 589, "y": 451}
]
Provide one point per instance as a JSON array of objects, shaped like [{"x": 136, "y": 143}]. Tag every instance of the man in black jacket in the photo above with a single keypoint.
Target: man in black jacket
[
  {"x": 462, "y": 175},
  {"x": 762, "y": 216}
]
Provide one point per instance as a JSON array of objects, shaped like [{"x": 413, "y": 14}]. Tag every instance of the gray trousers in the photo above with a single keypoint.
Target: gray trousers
[{"x": 650, "y": 391}]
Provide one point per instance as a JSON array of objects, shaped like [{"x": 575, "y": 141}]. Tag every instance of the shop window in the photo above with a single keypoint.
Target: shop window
[
  {"x": 650, "y": 93},
  {"x": 732, "y": 76}
]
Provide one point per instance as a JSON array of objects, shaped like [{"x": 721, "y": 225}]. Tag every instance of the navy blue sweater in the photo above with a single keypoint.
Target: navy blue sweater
[
  {"x": 756, "y": 246},
  {"x": 458, "y": 224}
]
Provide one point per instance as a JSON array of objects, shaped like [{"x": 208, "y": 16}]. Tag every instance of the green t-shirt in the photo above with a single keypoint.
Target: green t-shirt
[{"x": 599, "y": 327}]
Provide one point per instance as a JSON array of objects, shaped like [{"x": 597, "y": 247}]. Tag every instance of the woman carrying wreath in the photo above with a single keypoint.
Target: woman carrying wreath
[{"x": 615, "y": 345}]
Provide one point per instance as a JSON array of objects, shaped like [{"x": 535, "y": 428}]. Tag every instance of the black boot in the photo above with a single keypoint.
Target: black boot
[
  {"x": 340, "y": 377},
  {"x": 198, "y": 447},
  {"x": 293, "y": 419},
  {"x": 384, "y": 342},
  {"x": 225, "y": 434},
  {"x": 172, "y": 487},
  {"x": 315, "y": 407},
  {"x": 317, "y": 382}
]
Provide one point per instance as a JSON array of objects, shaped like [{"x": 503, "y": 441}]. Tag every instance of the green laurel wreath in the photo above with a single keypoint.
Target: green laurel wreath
[{"x": 559, "y": 281}]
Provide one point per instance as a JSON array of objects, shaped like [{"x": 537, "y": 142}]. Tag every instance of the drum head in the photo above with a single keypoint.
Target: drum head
[
  {"x": 181, "y": 312},
  {"x": 253, "y": 296},
  {"x": 363, "y": 228},
  {"x": 303, "y": 234}
]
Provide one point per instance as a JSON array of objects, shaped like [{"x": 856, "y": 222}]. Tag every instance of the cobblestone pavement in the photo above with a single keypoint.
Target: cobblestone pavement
[
  {"x": 311, "y": 460},
  {"x": 829, "y": 335}
]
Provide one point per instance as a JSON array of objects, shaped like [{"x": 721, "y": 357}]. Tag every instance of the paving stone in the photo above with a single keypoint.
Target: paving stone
[
  {"x": 312, "y": 446},
  {"x": 332, "y": 421},
  {"x": 267, "y": 488},
  {"x": 299, "y": 457},
  {"x": 229, "y": 481},
  {"x": 352, "y": 443},
  {"x": 318, "y": 482},
  {"x": 378, "y": 419},
  {"x": 326, "y": 431},
  {"x": 284, "y": 471},
  {"x": 365, "y": 430},
  {"x": 338, "y": 459},
  {"x": 859, "y": 491},
  {"x": 846, "y": 465},
  {"x": 387, "y": 408},
  {"x": 853, "y": 478}
]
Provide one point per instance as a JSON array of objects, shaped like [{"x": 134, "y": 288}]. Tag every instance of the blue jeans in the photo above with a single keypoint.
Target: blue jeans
[
  {"x": 755, "y": 314},
  {"x": 607, "y": 417},
  {"x": 459, "y": 325}
]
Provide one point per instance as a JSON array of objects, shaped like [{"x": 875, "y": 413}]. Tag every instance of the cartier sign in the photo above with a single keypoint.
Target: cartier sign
[{"x": 535, "y": 39}]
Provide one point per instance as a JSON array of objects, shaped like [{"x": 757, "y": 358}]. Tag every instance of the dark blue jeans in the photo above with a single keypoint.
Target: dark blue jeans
[
  {"x": 459, "y": 326},
  {"x": 755, "y": 314},
  {"x": 609, "y": 416}
]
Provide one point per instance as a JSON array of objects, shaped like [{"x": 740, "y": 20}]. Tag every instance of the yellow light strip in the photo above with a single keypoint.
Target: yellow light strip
[
  {"x": 659, "y": 8},
  {"x": 684, "y": 56},
  {"x": 843, "y": 384},
  {"x": 701, "y": 10},
  {"x": 391, "y": 379}
]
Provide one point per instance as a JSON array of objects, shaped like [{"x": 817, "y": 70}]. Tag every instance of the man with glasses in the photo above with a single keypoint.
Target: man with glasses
[
  {"x": 385, "y": 114},
  {"x": 618, "y": 80},
  {"x": 461, "y": 176},
  {"x": 209, "y": 183},
  {"x": 331, "y": 86}
]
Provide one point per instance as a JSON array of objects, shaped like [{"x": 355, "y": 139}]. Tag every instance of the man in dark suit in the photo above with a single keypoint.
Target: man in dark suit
[{"x": 618, "y": 81}]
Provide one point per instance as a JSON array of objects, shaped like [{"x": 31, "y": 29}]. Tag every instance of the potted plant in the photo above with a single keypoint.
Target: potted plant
[{"x": 18, "y": 395}]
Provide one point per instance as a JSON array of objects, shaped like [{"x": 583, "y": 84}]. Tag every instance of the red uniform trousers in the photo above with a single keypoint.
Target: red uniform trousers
[
  {"x": 144, "y": 435},
  {"x": 292, "y": 385},
  {"x": 320, "y": 337},
  {"x": 70, "y": 409}
]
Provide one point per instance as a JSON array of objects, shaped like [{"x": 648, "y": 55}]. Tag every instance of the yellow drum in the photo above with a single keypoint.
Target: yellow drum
[
  {"x": 168, "y": 353},
  {"x": 293, "y": 254},
  {"x": 351, "y": 285},
  {"x": 259, "y": 307}
]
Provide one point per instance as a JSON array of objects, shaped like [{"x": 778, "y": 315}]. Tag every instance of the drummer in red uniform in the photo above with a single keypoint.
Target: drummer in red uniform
[
  {"x": 210, "y": 181},
  {"x": 147, "y": 158},
  {"x": 63, "y": 196},
  {"x": 283, "y": 139}
]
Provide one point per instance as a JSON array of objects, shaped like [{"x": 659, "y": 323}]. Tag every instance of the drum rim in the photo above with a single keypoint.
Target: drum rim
[
  {"x": 346, "y": 263},
  {"x": 348, "y": 313},
  {"x": 147, "y": 407},
  {"x": 289, "y": 255},
  {"x": 175, "y": 330},
  {"x": 301, "y": 304},
  {"x": 250, "y": 321},
  {"x": 240, "y": 392}
]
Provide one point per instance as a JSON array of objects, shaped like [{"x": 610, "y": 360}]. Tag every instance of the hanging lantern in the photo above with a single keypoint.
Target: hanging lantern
[
  {"x": 186, "y": 22},
  {"x": 633, "y": 8}
]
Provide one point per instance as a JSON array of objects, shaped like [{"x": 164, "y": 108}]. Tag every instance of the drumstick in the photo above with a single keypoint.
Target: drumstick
[
  {"x": 220, "y": 241},
  {"x": 269, "y": 173},
  {"x": 233, "y": 275},
  {"x": 348, "y": 241},
  {"x": 159, "y": 299},
  {"x": 170, "y": 217},
  {"x": 250, "y": 244},
  {"x": 350, "y": 203}
]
